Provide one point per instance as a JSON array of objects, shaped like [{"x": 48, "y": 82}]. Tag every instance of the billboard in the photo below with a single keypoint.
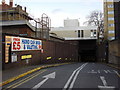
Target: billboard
[{"x": 22, "y": 44}]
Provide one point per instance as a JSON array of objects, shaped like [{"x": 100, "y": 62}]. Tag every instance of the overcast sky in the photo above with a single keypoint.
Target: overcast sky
[{"x": 58, "y": 10}]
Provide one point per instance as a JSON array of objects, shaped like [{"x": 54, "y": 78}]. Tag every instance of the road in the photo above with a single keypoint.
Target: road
[{"x": 78, "y": 76}]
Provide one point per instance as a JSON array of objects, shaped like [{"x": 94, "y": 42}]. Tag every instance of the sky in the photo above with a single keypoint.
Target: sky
[{"x": 59, "y": 10}]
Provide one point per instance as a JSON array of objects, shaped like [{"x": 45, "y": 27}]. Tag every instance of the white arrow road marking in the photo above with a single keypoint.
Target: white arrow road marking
[
  {"x": 105, "y": 84},
  {"x": 73, "y": 76},
  {"x": 51, "y": 75}
]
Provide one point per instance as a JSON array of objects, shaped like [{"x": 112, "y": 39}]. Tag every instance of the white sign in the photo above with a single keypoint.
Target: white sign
[
  {"x": 21, "y": 44},
  {"x": 14, "y": 57}
]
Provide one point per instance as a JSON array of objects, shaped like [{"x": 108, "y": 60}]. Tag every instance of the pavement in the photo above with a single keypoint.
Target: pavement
[
  {"x": 114, "y": 65},
  {"x": 13, "y": 74},
  {"x": 86, "y": 76}
]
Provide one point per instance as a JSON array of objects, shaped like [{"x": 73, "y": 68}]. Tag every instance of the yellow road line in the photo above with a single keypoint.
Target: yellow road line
[
  {"x": 118, "y": 74},
  {"x": 25, "y": 80},
  {"x": 113, "y": 66},
  {"x": 29, "y": 72},
  {"x": 19, "y": 76}
]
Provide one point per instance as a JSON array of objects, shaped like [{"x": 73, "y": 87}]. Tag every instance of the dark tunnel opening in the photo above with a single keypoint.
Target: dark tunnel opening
[{"x": 87, "y": 51}]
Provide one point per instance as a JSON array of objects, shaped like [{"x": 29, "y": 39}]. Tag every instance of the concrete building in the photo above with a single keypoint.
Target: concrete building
[
  {"x": 78, "y": 33},
  {"x": 86, "y": 36},
  {"x": 71, "y": 23},
  {"x": 72, "y": 31}
]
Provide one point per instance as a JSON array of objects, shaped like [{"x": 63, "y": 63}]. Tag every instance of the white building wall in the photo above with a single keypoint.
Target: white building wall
[
  {"x": 72, "y": 30},
  {"x": 72, "y": 33},
  {"x": 71, "y": 23}
]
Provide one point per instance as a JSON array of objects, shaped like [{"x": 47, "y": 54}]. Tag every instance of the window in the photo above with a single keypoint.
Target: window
[
  {"x": 110, "y": 12},
  {"x": 78, "y": 33},
  {"x": 111, "y": 25},
  {"x": 92, "y": 34},
  {"x": 82, "y": 33},
  {"x": 110, "y": 6},
  {"x": 109, "y": 0},
  {"x": 111, "y": 38},
  {"x": 95, "y": 34},
  {"x": 111, "y": 31},
  {"x": 111, "y": 18}
]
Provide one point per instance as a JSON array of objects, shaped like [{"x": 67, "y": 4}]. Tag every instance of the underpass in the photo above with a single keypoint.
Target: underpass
[{"x": 87, "y": 50}]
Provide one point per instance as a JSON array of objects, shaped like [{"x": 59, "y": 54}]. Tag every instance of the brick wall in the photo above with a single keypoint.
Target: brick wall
[
  {"x": 17, "y": 30},
  {"x": 114, "y": 52},
  {"x": 58, "y": 51}
]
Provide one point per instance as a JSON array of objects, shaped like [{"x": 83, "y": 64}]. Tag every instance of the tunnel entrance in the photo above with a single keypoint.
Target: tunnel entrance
[{"x": 87, "y": 50}]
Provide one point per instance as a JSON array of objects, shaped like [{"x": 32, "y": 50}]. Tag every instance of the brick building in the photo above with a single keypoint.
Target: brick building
[
  {"x": 112, "y": 29},
  {"x": 21, "y": 44}
]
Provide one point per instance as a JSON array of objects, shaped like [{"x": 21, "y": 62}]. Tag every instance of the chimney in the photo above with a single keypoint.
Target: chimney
[
  {"x": 3, "y": 1},
  {"x": 25, "y": 9},
  {"x": 11, "y": 3}
]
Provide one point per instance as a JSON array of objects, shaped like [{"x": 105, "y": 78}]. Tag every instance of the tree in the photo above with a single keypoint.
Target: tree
[{"x": 96, "y": 19}]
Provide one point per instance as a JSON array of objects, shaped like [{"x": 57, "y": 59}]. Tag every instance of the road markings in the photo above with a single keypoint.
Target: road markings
[
  {"x": 109, "y": 71},
  {"x": 105, "y": 71},
  {"x": 98, "y": 71},
  {"x": 94, "y": 71},
  {"x": 116, "y": 73},
  {"x": 73, "y": 76},
  {"x": 51, "y": 75},
  {"x": 105, "y": 84},
  {"x": 25, "y": 80}
]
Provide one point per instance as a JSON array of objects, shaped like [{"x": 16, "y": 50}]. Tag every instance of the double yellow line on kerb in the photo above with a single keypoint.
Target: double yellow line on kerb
[
  {"x": 24, "y": 80},
  {"x": 29, "y": 72}
]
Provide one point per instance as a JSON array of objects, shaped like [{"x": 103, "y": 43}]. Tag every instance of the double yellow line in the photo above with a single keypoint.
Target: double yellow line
[
  {"x": 29, "y": 72},
  {"x": 24, "y": 80}
]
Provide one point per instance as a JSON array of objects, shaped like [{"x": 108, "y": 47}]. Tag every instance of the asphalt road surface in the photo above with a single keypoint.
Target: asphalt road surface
[{"x": 77, "y": 76}]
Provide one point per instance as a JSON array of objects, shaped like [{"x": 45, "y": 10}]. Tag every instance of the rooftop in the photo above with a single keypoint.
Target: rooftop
[{"x": 74, "y": 28}]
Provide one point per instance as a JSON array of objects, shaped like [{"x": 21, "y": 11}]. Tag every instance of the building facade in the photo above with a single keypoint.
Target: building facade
[
  {"x": 78, "y": 33},
  {"x": 117, "y": 18},
  {"x": 22, "y": 44},
  {"x": 109, "y": 20},
  {"x": 71, "y": 23},
  {"x": 9, "y": 12},
  {"x": 72, "y": 31},
  {"x": 112, "y": 30},
  {"x": 86, "y": 36}
]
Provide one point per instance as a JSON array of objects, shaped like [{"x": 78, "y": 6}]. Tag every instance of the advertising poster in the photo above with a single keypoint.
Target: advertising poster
[{"x": 22, "y": 44}]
